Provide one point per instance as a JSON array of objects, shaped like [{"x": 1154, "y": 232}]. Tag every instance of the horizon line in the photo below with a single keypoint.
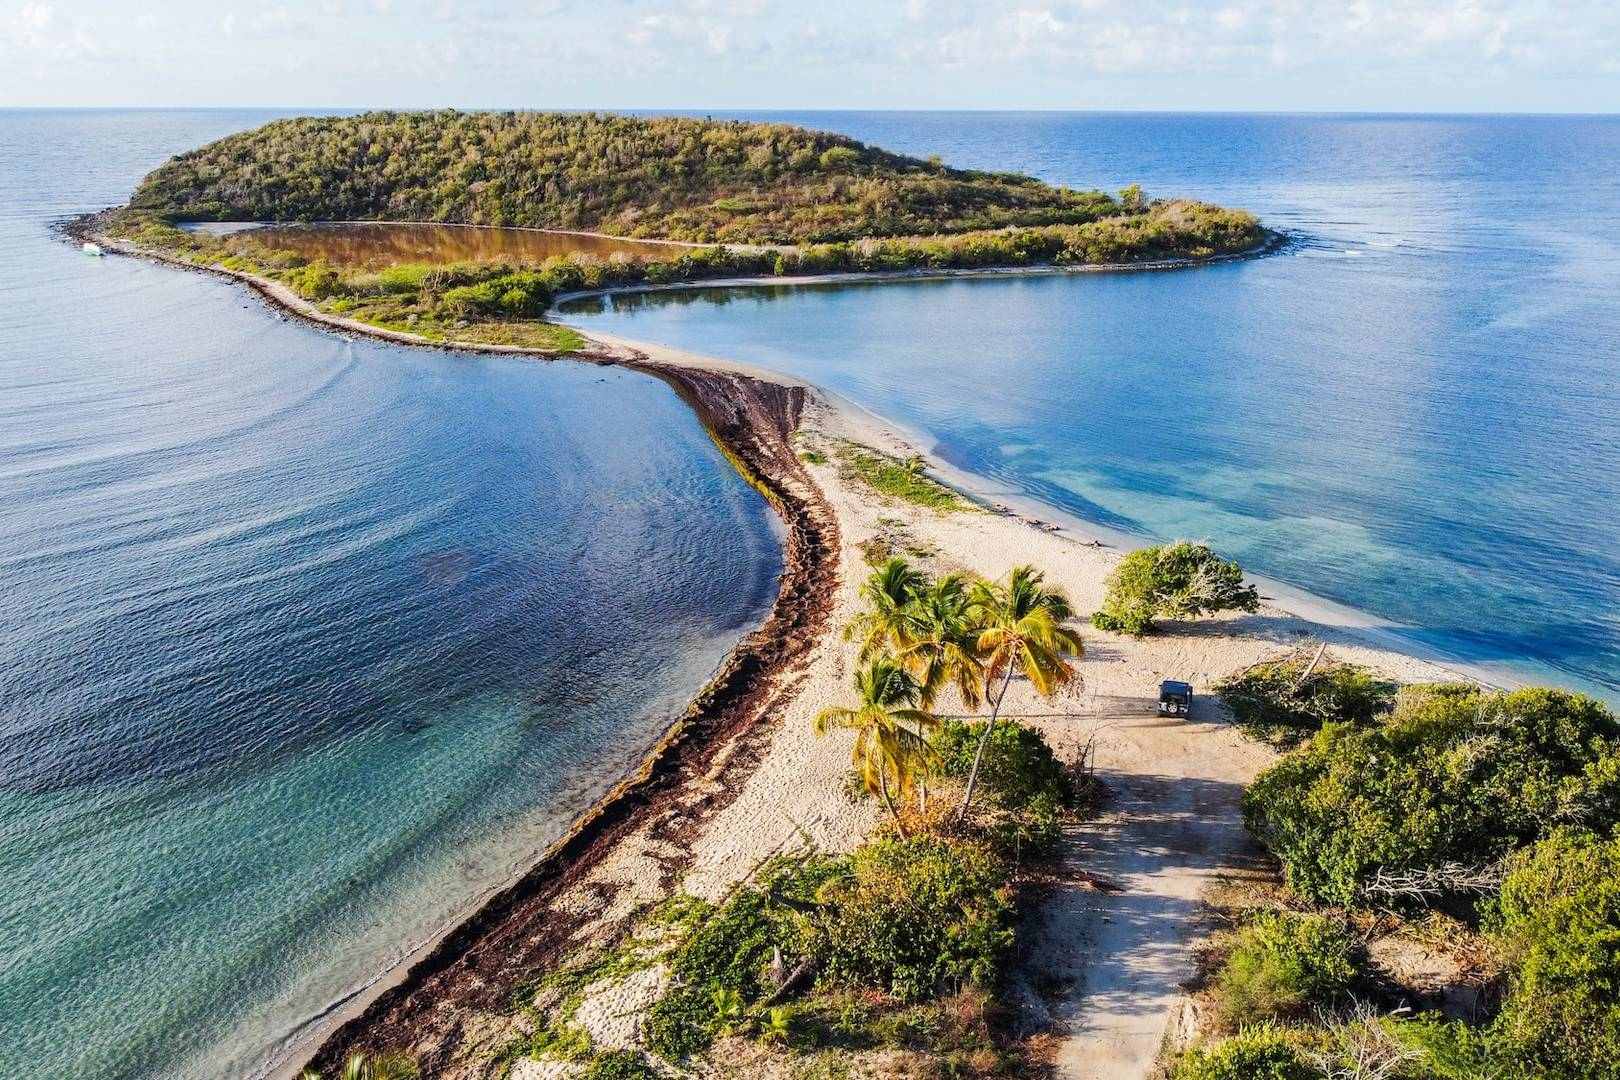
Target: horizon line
[{"x": 811, "y": 110}]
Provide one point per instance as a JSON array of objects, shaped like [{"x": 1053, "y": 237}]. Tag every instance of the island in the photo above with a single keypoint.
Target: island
[
  {"x": 944, "y": 814},
  {"x": 726, "y": 200}
]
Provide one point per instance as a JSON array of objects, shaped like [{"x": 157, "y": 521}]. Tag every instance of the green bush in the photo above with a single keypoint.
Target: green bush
[
  {"x": 1258, "y": 1054},
  {"x": 1270, "y": 702},
  {"x": 1176, "y": 581},
  {"x": 1557, "y": 923},
  {"x": 1450, "y": 1050},
  {"x": 620, "y": 1065},
  {"x": 317, "y": 281},
  {"x": 1455, "y": 775},
  {"x": 1019, "y": 766},
  {"x": 680, "y": 1023},
  {"x": 1285, "y": 966},
  {"x": 728, "y": 950},
  {"x": 519, "y": 293},
  {"x": 914, "y": 917},
  {"x": 1033, "y": 832}
]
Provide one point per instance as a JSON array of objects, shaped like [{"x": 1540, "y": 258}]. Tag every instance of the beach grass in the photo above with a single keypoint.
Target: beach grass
[
  {"x": 402, "y": 317},
  {"x": 903, "y": 480}
]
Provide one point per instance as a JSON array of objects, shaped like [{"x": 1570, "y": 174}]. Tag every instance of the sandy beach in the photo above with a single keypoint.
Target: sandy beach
[{"x": 741, "y": 776}]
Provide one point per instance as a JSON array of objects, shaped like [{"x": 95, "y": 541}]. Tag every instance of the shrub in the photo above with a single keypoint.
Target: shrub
[
  {"x": 726, "y": 952},
  {"x": 915, "y": 916},
  {"x": 1270, "y": 702},
  {"x": 518, "y": 293},
  {"x": 1258, "y": 1054},
  {"x": 1454, "y": 776},
  {"x": 1450, "y": 1049},
  {"x": 1019, "y": 766},
  {"x": 620, "y": 1065},
  {"x": 1176, "y": 581},
  {"x": 1034, "y": 831},
  {"x": 1284, "y": 966},
  {"x": 680, "y": 1023},
  {"x": 317, "y": 281},
  {"x": 1557, "y": 923}
]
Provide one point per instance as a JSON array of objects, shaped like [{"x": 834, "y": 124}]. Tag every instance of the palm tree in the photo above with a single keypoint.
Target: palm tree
[
  {"x": 941, "y": 641},
  {"x": 393, "y": 1066},
  {"x": 941, "y": 649},
  {"x": 888, "y": 593},
  {"x": 1023, "y": 631},
  {"x": 888, "y": 730}
]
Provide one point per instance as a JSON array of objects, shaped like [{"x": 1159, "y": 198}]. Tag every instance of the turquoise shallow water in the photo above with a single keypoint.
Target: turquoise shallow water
[
  {"x": 1414, "y": 410},
  {"x": 305, "y": 643}
]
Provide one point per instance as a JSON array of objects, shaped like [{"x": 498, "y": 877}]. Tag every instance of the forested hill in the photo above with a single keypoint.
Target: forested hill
[{"x": 671, "y": 177}]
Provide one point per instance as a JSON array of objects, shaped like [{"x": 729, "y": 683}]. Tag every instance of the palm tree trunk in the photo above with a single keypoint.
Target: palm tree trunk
[
  {"x": 984, "y": 740},
  {"x": 888, "y": 800},
  {"x": 922, "y": 781}
]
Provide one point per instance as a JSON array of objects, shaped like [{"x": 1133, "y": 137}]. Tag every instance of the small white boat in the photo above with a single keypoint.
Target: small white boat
[{"x": 92, "y": 249}]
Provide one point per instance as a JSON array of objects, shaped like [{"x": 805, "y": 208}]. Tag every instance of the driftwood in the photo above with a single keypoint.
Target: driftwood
[
  {"x": 1306, "y": 674},
  {"x": 795, "y": 978},
  {"x": 1429, "y": 882},
  {"x": 1363, "y": 1048}
]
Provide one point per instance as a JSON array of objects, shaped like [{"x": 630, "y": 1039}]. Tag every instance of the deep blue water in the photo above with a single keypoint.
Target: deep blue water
[
  {"x": 1414, "y": 410},
  {"x": 304, "y": 643}
]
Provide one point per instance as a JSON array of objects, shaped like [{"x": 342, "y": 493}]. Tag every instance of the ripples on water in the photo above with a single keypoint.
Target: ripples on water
[
  {"x": 304, "y": 643},
  {"x": 1414, "y": 411}
]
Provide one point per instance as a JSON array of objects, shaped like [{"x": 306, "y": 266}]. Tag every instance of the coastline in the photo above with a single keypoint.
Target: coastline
[
  {"x": 1272, "y": 242},
  {"x": 674, "y": 819}
]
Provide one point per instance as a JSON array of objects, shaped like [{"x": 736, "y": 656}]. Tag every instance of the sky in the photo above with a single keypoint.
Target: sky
[{"x": 1277, "y": 55}]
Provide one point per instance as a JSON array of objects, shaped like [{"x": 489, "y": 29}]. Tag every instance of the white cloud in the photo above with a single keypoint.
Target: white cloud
[{"x": 830, "y": 52}]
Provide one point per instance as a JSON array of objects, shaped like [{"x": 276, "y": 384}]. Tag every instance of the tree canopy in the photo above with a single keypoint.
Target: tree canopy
[
  {"x": 677, "y": 178},
  {"x": 1175, "y": 581},
  {"x": 1454, "y": 779}
]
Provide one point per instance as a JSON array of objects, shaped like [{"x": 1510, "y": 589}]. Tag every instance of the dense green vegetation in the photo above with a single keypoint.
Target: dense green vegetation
[
  {"x": 1503, "y": 808},
  {"x": 1426, "y": 802},
  {"x": 1260, "y": 1053},
  {"x": 904, "y": 921},
  {"x": 1557, "y": 922},
  {"x": 668, "y": 177},
  {"x": 1285, "y": 966},
  {"x": 831, "y": 205},
  {"x": 1175, "y": 581},
  {"x": 1285, "y": 701}
]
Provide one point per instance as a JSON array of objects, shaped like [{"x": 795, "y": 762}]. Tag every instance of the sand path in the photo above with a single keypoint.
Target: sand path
[{"x": 1172, "y": 821}]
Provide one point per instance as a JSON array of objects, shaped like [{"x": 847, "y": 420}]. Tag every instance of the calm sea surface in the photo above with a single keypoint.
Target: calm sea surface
[
  {"x": 304, "y": 643},
  {"x": 1414, "y": 411}
]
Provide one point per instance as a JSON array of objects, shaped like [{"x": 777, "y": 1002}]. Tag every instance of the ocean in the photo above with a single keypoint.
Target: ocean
[{"x": 305, "y": 643}]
